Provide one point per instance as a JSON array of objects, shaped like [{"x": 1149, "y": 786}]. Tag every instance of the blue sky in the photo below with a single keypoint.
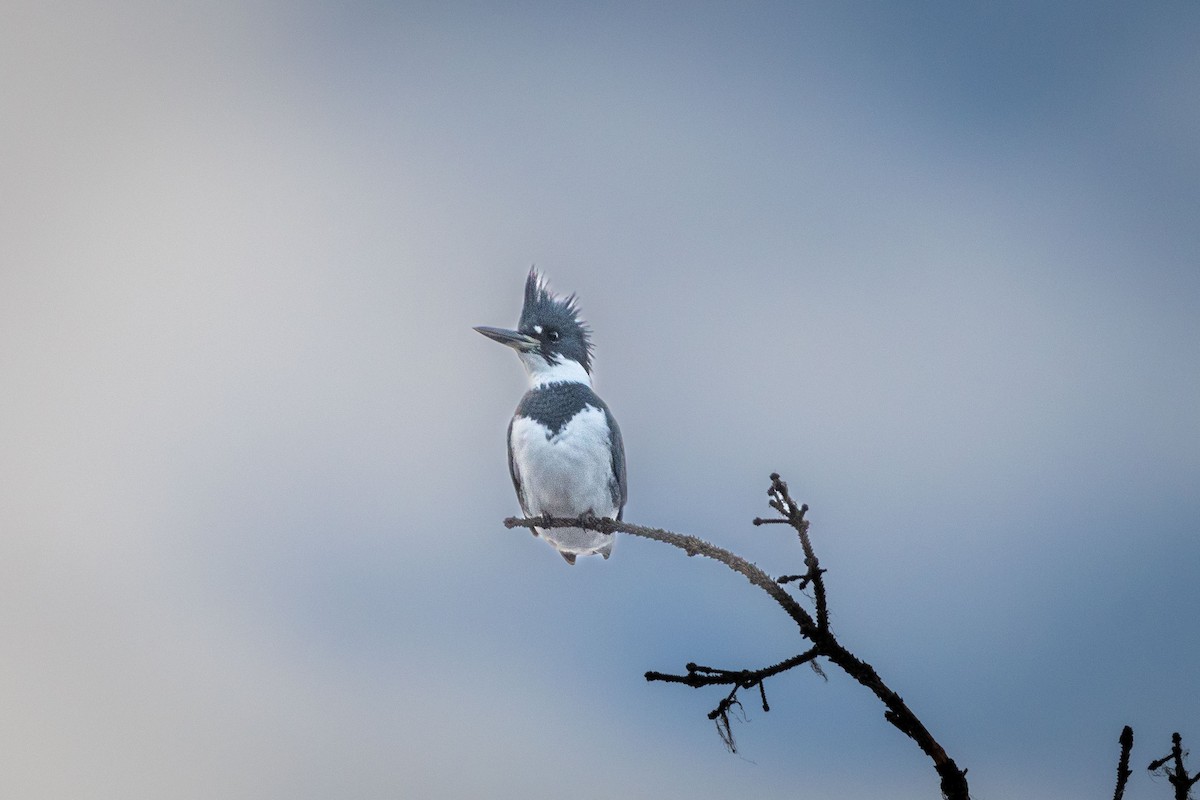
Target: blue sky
[{"x": 937, "y": 265}]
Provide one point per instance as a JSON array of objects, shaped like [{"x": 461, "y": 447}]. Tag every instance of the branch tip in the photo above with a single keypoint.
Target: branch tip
[{"x": 1123, "y": 770}]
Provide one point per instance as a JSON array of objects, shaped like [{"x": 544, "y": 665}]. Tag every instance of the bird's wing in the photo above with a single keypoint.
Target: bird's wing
[
  {"x": 618, "y": 486},
  {"x": 516, "y": 476}
]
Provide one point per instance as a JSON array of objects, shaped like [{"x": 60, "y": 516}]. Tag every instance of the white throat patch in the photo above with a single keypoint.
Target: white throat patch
[{"x": 563, "y": 370}]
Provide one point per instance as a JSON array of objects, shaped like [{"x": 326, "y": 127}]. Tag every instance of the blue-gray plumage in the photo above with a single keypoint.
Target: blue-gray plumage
[{"x": 565, "y": 451}]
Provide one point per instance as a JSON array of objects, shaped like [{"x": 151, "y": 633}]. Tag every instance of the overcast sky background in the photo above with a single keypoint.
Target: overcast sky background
[{"x": 939, "y": 265}]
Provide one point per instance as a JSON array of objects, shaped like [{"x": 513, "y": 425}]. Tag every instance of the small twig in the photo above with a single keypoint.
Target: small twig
[
  {"x": 782, "y": 502},
  {"x": 1123, "y": 771},
  {"x": 698, "y": 676},
  {"x": 803, "y": 579}
]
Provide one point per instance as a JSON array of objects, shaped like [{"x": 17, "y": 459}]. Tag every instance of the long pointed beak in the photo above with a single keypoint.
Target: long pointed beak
[{"x": 517, "y": 341}]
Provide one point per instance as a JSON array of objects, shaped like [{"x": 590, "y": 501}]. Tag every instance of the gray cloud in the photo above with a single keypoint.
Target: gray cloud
[{"x": 938, "y": 271}]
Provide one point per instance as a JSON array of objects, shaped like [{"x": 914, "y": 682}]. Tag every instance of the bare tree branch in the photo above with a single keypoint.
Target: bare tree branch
[
  {"x": 1123, "y": 770},
  {"x": 813, "y": 626},
  {"x": 1176, "y": 773}
]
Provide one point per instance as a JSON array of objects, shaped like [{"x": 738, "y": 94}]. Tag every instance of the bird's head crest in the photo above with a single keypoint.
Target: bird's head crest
[{"x": 555, "y": 321}]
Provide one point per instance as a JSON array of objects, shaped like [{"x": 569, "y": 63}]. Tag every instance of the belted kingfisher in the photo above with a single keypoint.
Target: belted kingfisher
[{"x": 565, "y": 452}]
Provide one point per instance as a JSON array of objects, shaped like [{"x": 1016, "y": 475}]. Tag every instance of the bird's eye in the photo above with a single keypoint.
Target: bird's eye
[{"x": 552, "y": 335}]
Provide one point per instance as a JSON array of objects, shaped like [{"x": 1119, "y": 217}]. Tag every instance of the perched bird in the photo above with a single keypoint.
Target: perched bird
[{"x": 565, "y": 452}]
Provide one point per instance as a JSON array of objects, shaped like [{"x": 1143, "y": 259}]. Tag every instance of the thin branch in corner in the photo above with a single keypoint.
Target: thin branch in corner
[
  {"x": 1123, "y": 770},
  {"x": 1176, "y": 773}
]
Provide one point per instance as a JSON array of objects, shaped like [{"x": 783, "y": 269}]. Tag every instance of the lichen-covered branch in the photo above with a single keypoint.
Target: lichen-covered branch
[{"x": 689, "y": 544}]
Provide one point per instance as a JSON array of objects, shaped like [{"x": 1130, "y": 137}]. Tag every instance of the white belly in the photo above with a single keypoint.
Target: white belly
[{"x": 567, "y": 475}]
